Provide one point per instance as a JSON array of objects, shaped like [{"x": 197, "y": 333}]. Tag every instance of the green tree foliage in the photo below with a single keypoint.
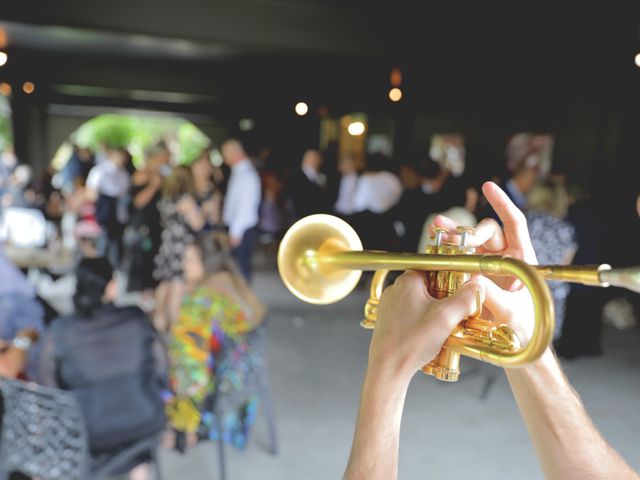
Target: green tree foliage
[
  {"x": 6, "y": 135},
  {"x": 138, "y": 133}
]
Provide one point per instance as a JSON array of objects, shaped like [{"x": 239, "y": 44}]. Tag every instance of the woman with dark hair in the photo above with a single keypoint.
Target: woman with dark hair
[
  {"x": 112, "y": 359},
  {"x": 215, "y": 350},
  {"x": 207, "y": 195},
  {"x": 142, "y": 234}
]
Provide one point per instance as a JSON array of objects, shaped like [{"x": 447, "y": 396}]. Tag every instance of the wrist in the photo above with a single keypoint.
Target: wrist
[
  {"x": 394, "y": 376},
  {"x": 545, "y": 369},
  {"x": 22, "y": 342}
]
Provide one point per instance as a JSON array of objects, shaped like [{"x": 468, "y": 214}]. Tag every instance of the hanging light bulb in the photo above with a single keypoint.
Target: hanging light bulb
[
  {"x": 301, "y": 108},
  {"x": 3, "y": 58},
  {"x": 395, "y": 94},
  {"x": 28, "y": 87}
]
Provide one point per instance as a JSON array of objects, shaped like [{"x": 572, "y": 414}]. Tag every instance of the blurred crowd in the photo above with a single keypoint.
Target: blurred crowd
[{"x": 182, "y": 238}]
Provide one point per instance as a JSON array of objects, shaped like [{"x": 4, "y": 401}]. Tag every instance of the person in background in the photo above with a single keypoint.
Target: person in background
[
  {"x": 444, "y": 194},
  {"x": 376, "y": 193},
  {"x": 21, "y": 317},
  {"x": 8, "y": 163},
  {"x": 87, "y": 235},
  {"x": 308, "y": 187},
  {"x": 77, "y": 168},
  {"x": 552, "y": 237},
  {"x": 348, "y": 181},
  {"x": 377, "y": 190},
  {"x": 14, "y": 353},
  {"x": 182, "y": 219},
  {"x": 521, "y": 182},
  {"x": 208, "y": 196},
  {"x": 582, "y": 329},
  {"x": 114, "y": 362},
  {"x": 241, "y": 204},
  {"x": 413, "y": 207},
  {"x": 214, "y": 358},
  {"x": 273, "y": 215},
  {"x": 142, "y": 235},
  {"x": 108, "y": 186}
]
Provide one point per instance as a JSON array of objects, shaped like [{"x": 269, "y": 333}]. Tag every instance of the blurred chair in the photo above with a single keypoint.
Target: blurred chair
[
  {"x": 43, "y": 433},
  {"x": 43, "y": 436},
  {"x": 258, "y": 382},
  {"x": 120, "y": 462}
]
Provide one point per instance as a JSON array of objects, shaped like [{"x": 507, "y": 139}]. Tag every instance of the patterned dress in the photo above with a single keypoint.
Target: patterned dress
[
  {"x": 553, "y": 239},
  {"x": 177, "y": 235},
  {"x": 216, "y": 358}
]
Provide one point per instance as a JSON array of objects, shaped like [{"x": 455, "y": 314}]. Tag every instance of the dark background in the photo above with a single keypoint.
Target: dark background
[{"x": 480, "y": 71}]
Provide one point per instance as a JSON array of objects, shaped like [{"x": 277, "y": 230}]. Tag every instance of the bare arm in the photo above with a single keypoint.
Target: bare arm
[
  {"x": 410, "y": 330},
  {"x": 192, "y": 213},
  {"x": 567, "y": 443},
  {"x": 374, "y": 454},
  {"x": 12, "y": 361},
  {"x": 144, "y": 196}
]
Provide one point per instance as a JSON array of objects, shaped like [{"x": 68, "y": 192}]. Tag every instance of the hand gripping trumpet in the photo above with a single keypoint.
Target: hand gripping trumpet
[{"x": 321, "y": 260}]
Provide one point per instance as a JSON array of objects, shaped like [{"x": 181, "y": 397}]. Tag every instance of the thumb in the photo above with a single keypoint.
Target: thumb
[{"x": 462, "y": 303}]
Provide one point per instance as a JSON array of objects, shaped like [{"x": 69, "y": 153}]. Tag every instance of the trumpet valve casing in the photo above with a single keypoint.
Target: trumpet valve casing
[{"x": 446, "y": 365}]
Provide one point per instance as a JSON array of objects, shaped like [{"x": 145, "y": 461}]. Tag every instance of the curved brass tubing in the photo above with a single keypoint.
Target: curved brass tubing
[
  {"x": 470, "y": 345},
  {"x": 375, "y": 292},
  {"x": 321, "y": 259}
]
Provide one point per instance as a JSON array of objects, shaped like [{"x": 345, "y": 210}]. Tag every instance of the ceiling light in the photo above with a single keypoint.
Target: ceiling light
[
  {"x": 302, "y": 108},
  {"x": 356, "y": 128},
  {"x": 395, "y": 94},
  {"x": 28, "y": 87}
]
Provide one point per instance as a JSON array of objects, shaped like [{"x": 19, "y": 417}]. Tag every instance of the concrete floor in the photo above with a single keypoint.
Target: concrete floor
[{"x": 317, "y": 357}]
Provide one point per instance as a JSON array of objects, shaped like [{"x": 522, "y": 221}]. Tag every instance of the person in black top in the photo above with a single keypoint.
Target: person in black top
[
  {"x": 143, "y": 233},
  {"x": 308, "y": 187}
]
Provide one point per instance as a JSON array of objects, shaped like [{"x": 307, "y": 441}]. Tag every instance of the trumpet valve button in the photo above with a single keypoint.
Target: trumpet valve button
[
  {"x": 464, "y": 234},
  {"x": 438, "y": 233}
]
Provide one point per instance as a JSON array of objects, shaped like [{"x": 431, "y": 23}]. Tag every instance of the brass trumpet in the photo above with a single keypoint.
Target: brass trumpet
[{"x": 321, "y": 259}]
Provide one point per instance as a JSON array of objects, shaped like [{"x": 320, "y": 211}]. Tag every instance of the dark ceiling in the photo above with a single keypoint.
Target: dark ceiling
[{"x": 253, "y": 57}]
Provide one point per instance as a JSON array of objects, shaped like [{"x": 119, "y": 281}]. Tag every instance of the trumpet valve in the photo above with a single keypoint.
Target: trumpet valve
[
  {"x": 464, "y": 234},
  {"x": 445, "y": 367},
  {"x": 438, "y": 234}
]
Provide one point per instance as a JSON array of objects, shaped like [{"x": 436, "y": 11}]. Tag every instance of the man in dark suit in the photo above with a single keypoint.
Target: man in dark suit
[{"x": 308, "y": 186}]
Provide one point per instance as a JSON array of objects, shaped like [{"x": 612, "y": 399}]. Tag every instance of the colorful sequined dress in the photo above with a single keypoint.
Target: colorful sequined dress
[{"x": 217, "y": 355}]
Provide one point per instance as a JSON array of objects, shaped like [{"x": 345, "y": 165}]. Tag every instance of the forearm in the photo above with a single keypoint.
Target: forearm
[
  {"x": 195, "y": 219},
  {"x": 143, "y": 198},
  {"x": 374, "y": 454},
  {"x": 567, "y": 443}
]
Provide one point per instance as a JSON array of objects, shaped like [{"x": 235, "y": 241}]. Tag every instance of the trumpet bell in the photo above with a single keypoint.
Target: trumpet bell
[{"x": 299, "y": 269}]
